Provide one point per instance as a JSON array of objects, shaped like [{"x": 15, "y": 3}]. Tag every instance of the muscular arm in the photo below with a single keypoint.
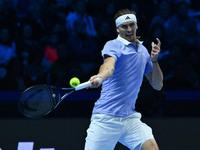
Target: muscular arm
[
  {"x": 106, "y": 70},
  {"x": 156, "y": 76}
]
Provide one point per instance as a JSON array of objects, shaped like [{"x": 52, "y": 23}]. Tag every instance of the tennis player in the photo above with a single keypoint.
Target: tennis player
[{"x": 126, "y": 61}]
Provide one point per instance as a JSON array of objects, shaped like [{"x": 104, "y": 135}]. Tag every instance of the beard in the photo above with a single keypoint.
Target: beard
[{"x": 131, "y": 37}]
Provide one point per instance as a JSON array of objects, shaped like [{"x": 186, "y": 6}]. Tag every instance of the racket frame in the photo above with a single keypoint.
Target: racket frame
[{"x": 79, "y": 87}]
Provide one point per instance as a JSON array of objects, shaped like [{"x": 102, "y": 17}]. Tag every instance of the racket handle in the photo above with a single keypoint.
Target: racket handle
[
  {"x": 82, "y": 85},
  {"x": 85, "y": 84}
]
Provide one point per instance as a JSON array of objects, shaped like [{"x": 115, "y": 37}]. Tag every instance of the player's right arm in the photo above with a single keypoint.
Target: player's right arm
[{"x": 106, "y": 70}]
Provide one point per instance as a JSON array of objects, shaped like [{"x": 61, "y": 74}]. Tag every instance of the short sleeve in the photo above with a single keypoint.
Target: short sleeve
[
  {"x": 112, "y": 49},
  {"x": 149, "y": 66}
]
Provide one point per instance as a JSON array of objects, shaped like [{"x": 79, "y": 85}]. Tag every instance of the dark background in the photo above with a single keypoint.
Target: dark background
[{"x": 42, "y": 42}]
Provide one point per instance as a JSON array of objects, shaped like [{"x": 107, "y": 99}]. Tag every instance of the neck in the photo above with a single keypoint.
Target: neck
[{"x": 135, "y": 41}]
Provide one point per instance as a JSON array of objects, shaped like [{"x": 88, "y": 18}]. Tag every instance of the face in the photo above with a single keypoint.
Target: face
[{"x": 127, "y": 30}]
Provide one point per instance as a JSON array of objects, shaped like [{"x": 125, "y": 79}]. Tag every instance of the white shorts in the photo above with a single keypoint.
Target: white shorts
[{"x": 105, "y": 131}]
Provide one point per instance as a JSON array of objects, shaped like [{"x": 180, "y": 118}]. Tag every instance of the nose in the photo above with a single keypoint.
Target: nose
[{"x": 129, "y": 28}]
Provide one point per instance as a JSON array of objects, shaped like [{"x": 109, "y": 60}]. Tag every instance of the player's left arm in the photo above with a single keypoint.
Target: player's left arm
[{"x": 156, "y": 76}]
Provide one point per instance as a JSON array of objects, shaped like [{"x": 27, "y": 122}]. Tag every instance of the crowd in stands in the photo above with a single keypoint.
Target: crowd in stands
[{"x": 50, "y": 41}]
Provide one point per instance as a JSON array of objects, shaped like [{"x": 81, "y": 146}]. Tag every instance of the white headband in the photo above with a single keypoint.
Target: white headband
[{"x": 125, "y": 18}]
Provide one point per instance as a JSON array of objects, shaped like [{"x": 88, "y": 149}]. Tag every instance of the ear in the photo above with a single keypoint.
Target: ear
[{"x": 117, "y": 30}]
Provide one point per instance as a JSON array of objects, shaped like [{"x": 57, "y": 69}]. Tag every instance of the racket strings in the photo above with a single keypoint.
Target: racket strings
[{"x": 38, "y": 101}]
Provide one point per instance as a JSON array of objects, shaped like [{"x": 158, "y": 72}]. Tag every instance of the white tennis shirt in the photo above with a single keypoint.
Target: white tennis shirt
[{"x": 120, "y": 91}]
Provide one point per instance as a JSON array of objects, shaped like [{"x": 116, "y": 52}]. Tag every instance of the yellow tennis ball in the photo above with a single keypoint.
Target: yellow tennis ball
[
  {"x": 74, "y": 82},
  {"x": 53, "y": 95}
]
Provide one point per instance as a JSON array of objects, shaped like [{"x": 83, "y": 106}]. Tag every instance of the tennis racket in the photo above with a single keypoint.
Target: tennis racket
[{"x": 39, "y": 100}]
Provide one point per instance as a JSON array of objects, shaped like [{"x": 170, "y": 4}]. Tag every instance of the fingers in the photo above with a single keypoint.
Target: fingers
[
  {"x": 159, "y": 43},
  {"x": 95, "y": 82},
  {"x": 155, "y": 50},
  {"x": 155, "y": 47}
]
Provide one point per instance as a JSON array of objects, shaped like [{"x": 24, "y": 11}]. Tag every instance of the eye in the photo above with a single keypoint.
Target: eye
[
  {"x": 131, "y": 25},
  {"x": 124, "y": 26}
]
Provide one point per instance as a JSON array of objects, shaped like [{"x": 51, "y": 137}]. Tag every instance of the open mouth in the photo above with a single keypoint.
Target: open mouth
[{"x": 129, "y": 34}]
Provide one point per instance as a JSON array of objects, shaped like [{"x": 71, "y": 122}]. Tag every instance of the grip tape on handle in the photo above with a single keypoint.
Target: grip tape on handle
[{"x": 84, "y": 85}]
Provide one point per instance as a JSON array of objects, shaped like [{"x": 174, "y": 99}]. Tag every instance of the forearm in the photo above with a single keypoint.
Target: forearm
[
  {"x": 156, "y": 77},
  {"x": 105, "y": 71}
]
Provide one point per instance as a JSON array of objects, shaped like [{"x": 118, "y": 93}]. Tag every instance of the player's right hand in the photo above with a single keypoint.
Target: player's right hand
[{"x": 96, "y": 81}]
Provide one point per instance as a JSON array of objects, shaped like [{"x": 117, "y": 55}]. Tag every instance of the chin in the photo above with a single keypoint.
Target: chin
[{"x": 130, "y": 38}]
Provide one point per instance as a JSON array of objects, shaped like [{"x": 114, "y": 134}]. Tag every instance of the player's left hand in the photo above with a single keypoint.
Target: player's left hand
[{"x": 155, "y": 50}]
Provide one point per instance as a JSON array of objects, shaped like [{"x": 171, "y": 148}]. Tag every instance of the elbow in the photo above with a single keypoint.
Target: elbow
[{"x": 158, "y": 87}]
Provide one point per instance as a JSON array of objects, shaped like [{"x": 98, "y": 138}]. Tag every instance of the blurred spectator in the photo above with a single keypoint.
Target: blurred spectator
[
  {"x": 7, "y": 14},
  {"x": 191, "y": 42},
  {"x": 57, "y": 36},
  {"x": 61, "y": 32},
  {"x": 23, "y": 7},
  {"x": 51, "y": 47},
  {"x": 64, "y": 68},
  {"x": 80, "y": 13},
  {"x": 162, "y": 16},
  {"x": 63, "y": 3},
  {"x": 80, "y": 42},
  {"x": 53, "y": 36},
  {"x": 7, "y": 50},
  {"x": 181, "y": 20},
  {"x": 193, "y": 59},
  {"x": 82, "y": 36},
  {"x": 36, "y": 17},
  {"x": 104, "y": 22},
  {"x": 106, "y": 15},
  {"x": 104, "y": 33},
  {"x": 193, "y": 77},
  {"x": 83, "y": 47},
  {"x": 182, "y": 71},
  {"x": 178, "y": 1},
  {"x": 194, "y": 72},
  {"x": 14, "y": 80},
  {"x": 30, "y": 54},
  {"x": 178, "y": 80},
  {"x": 52, "y": 15}
]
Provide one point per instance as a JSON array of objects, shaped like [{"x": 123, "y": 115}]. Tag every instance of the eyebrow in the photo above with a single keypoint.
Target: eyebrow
[{"x": 125, "y": 25}]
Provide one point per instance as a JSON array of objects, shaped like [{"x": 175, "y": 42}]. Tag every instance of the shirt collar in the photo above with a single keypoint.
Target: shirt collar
[{"x": 124, "y": 41}]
